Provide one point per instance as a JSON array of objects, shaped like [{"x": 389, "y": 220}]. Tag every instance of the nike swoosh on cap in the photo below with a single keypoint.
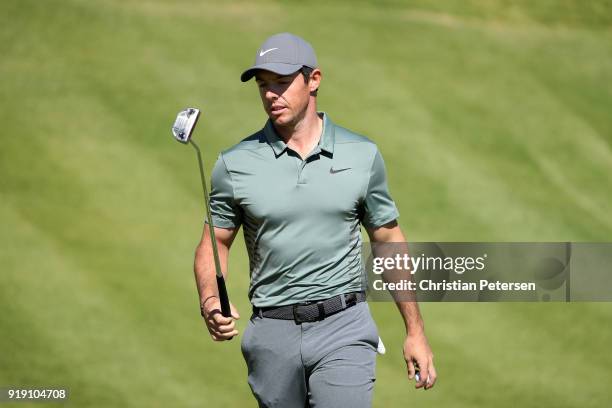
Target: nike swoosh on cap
[
  {"x": 262, "y": 52},
  {"x": 334, "y": 171}
]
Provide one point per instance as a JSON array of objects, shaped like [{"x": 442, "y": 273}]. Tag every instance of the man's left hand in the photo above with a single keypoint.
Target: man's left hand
[{"x": 417, "y": 353}]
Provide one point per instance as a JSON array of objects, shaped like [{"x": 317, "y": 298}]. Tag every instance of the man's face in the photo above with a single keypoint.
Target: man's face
[{"x": 284, "y": 98}]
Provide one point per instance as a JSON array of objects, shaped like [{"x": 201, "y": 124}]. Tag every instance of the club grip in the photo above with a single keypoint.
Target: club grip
[{"x": 223, "y": 298}]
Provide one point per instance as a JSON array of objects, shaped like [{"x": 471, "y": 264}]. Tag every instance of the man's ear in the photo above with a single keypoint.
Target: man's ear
[{"x": 315, "y": 80}]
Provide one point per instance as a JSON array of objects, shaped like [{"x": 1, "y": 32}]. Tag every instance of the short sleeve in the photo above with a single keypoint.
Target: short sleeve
[
  {"x": 224, "y": 211},
  {"x": 379, "y": 208}
]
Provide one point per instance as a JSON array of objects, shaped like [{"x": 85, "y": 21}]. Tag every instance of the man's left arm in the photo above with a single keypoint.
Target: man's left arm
[{"x": 416, "y": 346}]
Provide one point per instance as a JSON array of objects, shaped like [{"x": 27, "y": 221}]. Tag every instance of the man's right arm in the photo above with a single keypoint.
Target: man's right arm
[{"x": 220, "y": 328}]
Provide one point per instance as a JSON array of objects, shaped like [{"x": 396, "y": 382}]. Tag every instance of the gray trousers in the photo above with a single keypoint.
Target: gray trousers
[{"x": 324, "y": 364}]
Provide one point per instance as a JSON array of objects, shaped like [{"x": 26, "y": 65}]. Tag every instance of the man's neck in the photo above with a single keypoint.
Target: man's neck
[{"x": 304, "y": 135}]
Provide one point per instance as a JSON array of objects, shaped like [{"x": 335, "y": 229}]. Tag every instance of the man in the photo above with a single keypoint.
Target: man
[{"x": 301, "y": 187}]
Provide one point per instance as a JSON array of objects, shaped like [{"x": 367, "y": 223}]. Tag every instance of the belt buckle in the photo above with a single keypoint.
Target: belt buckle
[
  {"x": 296, "y": 316},
  {"x": 320, "y": 308}
]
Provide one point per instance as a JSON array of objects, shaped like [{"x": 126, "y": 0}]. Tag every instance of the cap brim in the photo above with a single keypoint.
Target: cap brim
[{"x": 276, "y": 67}]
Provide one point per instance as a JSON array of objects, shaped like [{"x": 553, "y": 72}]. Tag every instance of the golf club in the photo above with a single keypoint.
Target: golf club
[{"x": 182, "y": 131}]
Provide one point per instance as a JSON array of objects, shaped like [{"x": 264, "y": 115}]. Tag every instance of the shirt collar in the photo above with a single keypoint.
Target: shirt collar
[{"x": 326, "y": 142}]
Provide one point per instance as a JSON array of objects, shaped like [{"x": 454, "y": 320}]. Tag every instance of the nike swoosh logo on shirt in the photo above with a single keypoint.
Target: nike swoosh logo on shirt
[
  {"x": 262, "y": 52},
  {"x": 334, "y": 171}
]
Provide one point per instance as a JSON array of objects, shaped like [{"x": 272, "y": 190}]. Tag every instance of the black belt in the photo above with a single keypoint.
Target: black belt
[{"x": 311, "y": 311}]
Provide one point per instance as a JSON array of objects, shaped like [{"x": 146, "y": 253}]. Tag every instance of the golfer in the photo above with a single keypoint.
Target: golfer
[{"x": 300, "y": 188}]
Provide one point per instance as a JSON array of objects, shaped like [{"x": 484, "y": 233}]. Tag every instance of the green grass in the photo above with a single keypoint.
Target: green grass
[{"x": 493, "y": 118}]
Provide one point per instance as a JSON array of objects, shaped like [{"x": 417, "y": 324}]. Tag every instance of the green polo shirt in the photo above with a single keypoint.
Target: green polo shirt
[{"x": 301, "y": 218}]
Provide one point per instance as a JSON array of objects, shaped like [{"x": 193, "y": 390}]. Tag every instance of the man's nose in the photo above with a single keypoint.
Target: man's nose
[
  {"x": 271, "y": 94},
  {"x": 273, "y": 91}
]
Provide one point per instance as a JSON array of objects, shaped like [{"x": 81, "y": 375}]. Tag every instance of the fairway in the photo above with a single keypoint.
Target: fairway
[{"x": 494, "y": 120}]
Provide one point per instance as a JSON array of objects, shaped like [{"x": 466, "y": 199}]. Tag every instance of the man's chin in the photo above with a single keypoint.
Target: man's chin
[{"x": 279, "y": 120}]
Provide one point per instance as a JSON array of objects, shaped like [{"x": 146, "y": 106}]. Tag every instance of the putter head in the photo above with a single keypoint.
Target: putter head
[{"x": 184, "y": 124}]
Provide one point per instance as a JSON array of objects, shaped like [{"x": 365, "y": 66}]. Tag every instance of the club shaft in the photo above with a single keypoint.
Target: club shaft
[
  {"x": 211, "y": 227},
  {"x": 223, "y": 297}
]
